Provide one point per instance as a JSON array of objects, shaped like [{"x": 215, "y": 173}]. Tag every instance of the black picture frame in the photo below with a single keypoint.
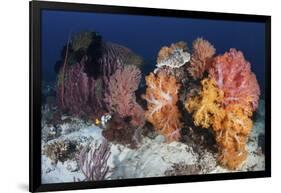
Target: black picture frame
[{"x": 35, "y": 184}]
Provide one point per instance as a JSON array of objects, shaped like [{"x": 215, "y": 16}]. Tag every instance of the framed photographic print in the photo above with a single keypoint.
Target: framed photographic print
[{"x": 126, "y": 96}]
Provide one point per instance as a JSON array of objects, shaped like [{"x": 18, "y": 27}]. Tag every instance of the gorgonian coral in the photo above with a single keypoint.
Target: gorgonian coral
[
  {"x": 86, "y": 64},
  {"x": 93, "y": 162},
  {"x": 233, "y": 75},
  {"x": 78, "y": 92},
  {"x": 120, "y": 94},
  {"x": 202, "y": 52},
  {"x": 174, "y": 56},
  {"x": 162, "y": 111}
]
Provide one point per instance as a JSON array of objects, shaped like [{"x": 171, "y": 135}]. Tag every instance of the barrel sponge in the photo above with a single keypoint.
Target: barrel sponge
[{"x": 162, "y": 111}]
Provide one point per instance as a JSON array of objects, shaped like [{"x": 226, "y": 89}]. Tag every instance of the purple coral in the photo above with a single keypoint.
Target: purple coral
[
  {"x": 80, "y": 92},
  {"x": 93, "y": 162},
  {"x": 120, "y": 94},
  {"x": 80, "y": 84}
]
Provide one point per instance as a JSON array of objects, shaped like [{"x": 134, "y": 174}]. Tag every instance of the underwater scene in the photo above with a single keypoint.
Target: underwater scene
[{"x": 129, "y": 96}]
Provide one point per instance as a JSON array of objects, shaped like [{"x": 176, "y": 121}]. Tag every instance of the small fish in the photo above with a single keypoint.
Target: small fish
[{"x": 97, "y": 121}]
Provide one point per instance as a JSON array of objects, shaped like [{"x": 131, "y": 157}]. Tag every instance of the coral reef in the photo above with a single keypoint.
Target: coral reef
[
  {"x": 93, "y": 162},
  {"x": 162, "y": 111},
  {"x": 233, "y": 75},
  {"x": 119, "y": 130},
  {"x": 60, "y": 150},
  {"x": 202, "y": 53},
  {"x": 86, "y": 64},
  {"x": 174, "y": 56},
  {"x": 231, "y": 124},
  {"x": 120, "y": 94}
]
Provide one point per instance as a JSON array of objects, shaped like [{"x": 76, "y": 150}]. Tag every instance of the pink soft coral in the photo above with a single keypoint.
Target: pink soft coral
[
  {"x": 120, "y": 95},
  {"x": 162, "y": 97},
  {"x": 234, "y": 76}
]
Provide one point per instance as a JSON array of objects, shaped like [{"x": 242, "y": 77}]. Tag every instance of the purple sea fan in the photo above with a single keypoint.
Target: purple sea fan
[
  {"x": 80, "y": 91},
  {"x": 120, "y": 94},
  {"x": 93, "y": 162}
]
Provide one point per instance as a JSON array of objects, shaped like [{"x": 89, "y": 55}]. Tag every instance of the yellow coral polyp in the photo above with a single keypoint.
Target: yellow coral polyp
[
  {"x": 231, "y": 124},
  {"x": 162, "y": 111}
]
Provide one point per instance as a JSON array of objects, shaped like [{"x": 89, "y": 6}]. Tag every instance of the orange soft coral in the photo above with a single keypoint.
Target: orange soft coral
[
  {"x": 205, "y": 107},
  {"x": 202, "y": 52},
  {"x": 233, "y": 135},
  {"x": 231, "y": 124},
  {"x": 162, "y": 97}
]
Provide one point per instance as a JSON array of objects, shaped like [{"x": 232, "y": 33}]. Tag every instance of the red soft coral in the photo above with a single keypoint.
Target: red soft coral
[{"x": 234, "y": 76}]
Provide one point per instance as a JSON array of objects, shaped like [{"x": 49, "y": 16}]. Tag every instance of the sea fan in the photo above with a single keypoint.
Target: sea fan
[{"x": 202, "y": 52}]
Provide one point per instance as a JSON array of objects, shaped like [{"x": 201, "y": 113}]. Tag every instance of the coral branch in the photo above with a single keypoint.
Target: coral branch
[{"x": 63, "y": 73}]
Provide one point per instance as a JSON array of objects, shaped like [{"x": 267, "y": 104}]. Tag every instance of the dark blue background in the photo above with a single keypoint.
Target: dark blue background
[{"x": 145, "y": 35}]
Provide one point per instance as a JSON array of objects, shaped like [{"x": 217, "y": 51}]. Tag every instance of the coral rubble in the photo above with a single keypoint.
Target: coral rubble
[{"x": 60, "y": 150}]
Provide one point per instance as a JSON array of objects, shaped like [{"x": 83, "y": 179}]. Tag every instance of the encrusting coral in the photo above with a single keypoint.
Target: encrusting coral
[
  {"x": 202, "y": 52},
  {"x": 226, "y": 103},
  {"x": 162, "y": 111}
]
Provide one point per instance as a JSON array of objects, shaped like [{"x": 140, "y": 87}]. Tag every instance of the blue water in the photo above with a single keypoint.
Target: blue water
[{"x": 145, "y": 35}]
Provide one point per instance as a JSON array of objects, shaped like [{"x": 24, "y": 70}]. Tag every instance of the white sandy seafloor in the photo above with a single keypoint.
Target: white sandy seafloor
[{"x": 151, "y": 159}]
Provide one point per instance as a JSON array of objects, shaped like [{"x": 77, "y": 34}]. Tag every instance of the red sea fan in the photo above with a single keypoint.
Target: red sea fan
[
  {"x": 120, "y": 94},
  {"x": 234, "y": 76}
]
